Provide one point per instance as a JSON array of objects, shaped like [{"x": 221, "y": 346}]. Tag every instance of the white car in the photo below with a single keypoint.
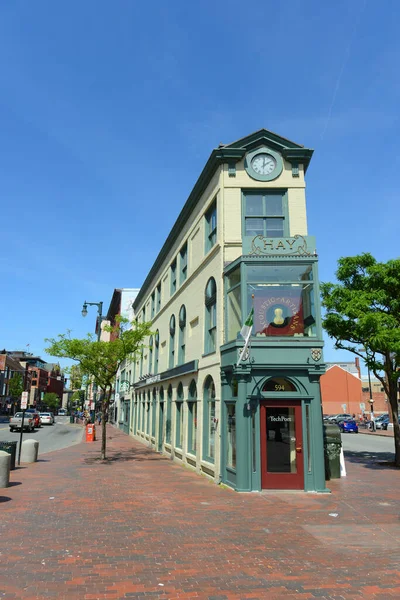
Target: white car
[
  {"x": 62, "y": 412},
  {"x": 46, "y": 418}
]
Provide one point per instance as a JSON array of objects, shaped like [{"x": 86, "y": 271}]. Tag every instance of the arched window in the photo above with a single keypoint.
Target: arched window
[
  {"x": 172, "y": 326},
  {"x": 156, "y": 350},
  {"x": 151, "y": 354},
  {"x": 210, "y": 301},
  {"x": 179, "y": 418},
  {"x": 192, "y": 418},
  {"x": 182, "y": 335},
  {"x": 209, "y": 420},
  {"x": 168, "y": 420}
]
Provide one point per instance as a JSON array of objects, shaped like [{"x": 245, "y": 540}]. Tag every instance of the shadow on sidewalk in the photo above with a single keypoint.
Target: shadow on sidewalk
[
  {"x": 4, "y": 499},
  {"x": 371, "y": 460},
  {"x": 125, "y": 456}
]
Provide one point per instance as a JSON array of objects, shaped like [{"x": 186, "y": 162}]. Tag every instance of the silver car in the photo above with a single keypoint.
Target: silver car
[{"x": 46, "y": 418}]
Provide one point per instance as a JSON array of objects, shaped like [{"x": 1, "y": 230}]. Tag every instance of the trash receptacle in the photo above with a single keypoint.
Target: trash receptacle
[
  {"x": 90, "y": 433},
  {"x": 71, "y": 419},
  {"x": 332, "y": 447},
  {"x": 10, "y": 448}
]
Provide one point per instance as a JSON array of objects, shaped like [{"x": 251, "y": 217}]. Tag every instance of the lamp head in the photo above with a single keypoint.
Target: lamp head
[{"x": 84, "y": 309}]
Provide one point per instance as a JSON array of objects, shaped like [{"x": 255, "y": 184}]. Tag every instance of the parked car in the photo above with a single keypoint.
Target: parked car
[
  {"x": 348, "y": 426},
  {"x": 339, "y": 417},
  {"x": 47, "y": 418},
  {"x": 379, "y": 421},
  {"x": 62, "y": 412},
  {"x": 387, "y": 424},
  {"x": 16, "y": 422},
  {"x": 35, "y": 416}
]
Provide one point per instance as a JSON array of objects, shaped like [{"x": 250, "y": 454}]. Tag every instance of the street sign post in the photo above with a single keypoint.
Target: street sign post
[
  {"x": 24, "y": 400},
  {"x": 24, "y": 403}
]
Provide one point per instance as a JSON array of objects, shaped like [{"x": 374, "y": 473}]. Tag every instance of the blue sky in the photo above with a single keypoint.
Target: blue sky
[{"x": 98, "y": 97}]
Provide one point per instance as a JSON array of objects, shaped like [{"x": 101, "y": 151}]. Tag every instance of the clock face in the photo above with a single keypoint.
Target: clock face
[{"x": 263, "y": 164}]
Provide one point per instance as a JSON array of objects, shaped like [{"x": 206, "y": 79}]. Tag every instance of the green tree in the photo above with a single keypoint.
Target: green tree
[
  {"x": 51, "y": 400},
  {"x": 76, "y": 398},
  {"x": 101, "y": 360},
  {"x": 16, "y": 386},
  {"x": 75, "y": 377},
  {"x": 363, "y": 316}
]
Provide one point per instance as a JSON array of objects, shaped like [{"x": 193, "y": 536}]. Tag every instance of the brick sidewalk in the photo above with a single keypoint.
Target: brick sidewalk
[{"x": 140, "y": 526}]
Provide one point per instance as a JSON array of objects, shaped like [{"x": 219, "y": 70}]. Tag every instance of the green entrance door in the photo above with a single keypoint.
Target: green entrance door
[{"x": 282, "y": 464}]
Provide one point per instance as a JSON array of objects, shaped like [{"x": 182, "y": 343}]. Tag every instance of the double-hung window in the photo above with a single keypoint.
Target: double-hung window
[
  {"x": 156, "y": 350},
  {"x": 151, "y": 354},
  {"x": 211, "y": 226},
  {"x": 265, "y": 214},
  {"x": 183, "y": 264},
  {"x": 182, "y": 335},
  {"x": 210, "y": 316},
  {"x": 158, "y": 297},
  {"x": 172, "y": 327},
  {"x": 153, "y": 304},
  {"x": 173, "y": 277}
]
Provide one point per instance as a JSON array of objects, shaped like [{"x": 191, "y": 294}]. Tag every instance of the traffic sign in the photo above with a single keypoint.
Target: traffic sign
[{"x": 24, "y": 400}]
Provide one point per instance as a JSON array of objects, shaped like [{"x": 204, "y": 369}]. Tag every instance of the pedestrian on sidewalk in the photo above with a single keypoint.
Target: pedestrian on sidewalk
[
  {"x": 99, "y": 418},
  {"x": 372, "y": 421}
]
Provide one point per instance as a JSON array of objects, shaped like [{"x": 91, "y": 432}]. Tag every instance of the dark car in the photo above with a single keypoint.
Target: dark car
[
  {"x": 387, "y": 423},
  {"x": 348, "y": 426}
]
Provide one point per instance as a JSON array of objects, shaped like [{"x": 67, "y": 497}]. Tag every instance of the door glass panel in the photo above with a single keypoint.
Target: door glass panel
[{"x": 281, "y": 440}]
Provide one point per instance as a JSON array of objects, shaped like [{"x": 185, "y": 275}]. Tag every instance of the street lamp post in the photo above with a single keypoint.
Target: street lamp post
[{"x": 99, "y": 320}]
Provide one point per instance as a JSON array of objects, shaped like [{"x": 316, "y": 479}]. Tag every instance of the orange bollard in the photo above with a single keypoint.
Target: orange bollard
[{"x": 90, "y": 432}]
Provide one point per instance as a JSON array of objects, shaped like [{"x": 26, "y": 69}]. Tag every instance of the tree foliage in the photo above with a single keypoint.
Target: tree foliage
[
  {"x": 51, "y": 400},
  {"x": 16, "y": 385},
  {"x": 75, "y": 377},
  {"x": 101, "y": 360},
  {"x": 363, "y": 317}
]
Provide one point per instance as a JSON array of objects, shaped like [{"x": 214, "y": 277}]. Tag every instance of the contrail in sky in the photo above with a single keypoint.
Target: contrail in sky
[{"x": 342, "y": 68}]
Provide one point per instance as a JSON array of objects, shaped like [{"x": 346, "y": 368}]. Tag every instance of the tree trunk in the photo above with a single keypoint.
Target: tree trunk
[
  {"x": 396, "y": 426},
  {"x": 104, "y": 413}
]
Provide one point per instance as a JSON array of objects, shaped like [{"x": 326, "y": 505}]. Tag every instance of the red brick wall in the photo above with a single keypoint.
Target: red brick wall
[{"x": 340, "y": 387}]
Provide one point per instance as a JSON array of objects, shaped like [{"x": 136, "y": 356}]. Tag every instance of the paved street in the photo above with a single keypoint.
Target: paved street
[
  {"x": 50, "y": 437},
  {"x": 140, "y": 526}
]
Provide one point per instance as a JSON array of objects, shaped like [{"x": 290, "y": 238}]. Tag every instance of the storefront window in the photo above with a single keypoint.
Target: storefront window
[
  {"x": 192, "y": 446},
  {"x": 209, "y": 420},
  {"x": 231, "y": 436},
  {"x": 153, "y": 414},
  {"x": 234, "y": 309},
  {"x": 179, "y": 425},
  {"x": 192, "y": 422},
  {"x": 283, "y": 300},
  {"x": 168, "y": 420}
]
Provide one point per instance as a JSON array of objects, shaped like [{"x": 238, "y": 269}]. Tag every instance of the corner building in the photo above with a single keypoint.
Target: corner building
[{"x": 240, "y": 242}]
